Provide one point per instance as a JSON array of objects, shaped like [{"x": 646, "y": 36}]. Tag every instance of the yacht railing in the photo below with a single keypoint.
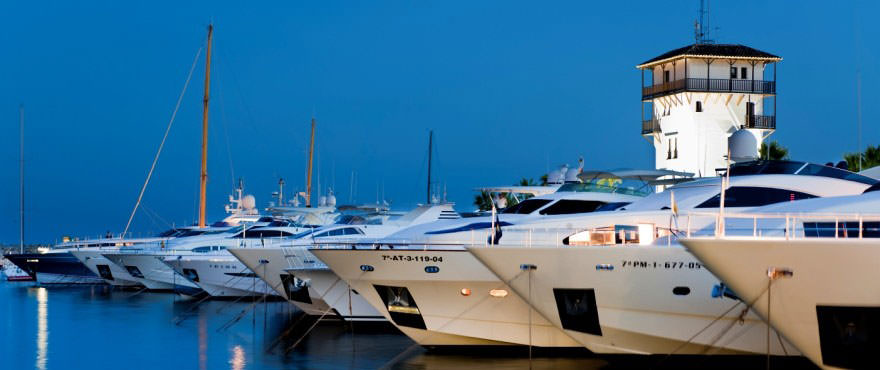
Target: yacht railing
[{"x": 785, "y": 225}]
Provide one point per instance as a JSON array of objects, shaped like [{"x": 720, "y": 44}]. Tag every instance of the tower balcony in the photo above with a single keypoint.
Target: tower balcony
[
  {"x": 651, "y": 126},
  {"x": 761, "y": 122},
  {"x": 717, "y": 85}
]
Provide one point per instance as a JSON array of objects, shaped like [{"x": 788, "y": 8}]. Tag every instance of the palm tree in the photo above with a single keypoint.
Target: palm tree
[
  {"x": 867, "y": 159},
  {"x": 774, "y": 151}
]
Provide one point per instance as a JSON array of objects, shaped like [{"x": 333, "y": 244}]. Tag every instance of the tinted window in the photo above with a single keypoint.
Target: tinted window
[
  {"x": 259, "y": 234},
  {"x": 527, "y": 206},
  {"x": 754, "y": 197},
  {"x": 844, "y": 229},
  {"x": 826, "y": 171},
  {"x": 569, "y": 206}
]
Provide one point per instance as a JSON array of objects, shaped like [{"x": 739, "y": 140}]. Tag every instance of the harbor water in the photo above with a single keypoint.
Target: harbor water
[{"x": 99, "y": 327}]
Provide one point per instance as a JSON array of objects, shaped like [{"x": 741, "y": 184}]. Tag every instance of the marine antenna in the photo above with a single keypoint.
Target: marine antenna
[{"x": 701, "y": 26}]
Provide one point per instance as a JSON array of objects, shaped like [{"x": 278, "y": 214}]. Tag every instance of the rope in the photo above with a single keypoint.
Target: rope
[
  {"x": 162, "y": 144},
  {"x": 432, "y": 332},
  {"x": 691, "y": 339}
]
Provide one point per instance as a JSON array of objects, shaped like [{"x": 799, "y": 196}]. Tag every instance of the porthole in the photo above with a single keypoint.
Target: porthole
[{"x": 681, "y": 290}]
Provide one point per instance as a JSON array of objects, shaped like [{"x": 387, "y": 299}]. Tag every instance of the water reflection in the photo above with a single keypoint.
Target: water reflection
[
  {"x": 42, "y": 327},
  {"x": 237, "y": 361}
]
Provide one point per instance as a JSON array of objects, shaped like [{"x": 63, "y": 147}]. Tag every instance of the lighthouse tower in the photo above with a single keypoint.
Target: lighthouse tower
[{"x": 696, "y": 97}]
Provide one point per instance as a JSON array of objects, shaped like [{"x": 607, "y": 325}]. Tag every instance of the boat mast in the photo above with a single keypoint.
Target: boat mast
[
  {"x": 203, "y": 181},
  {"x": 21, "y": 176},
  {"x": 309, "y": 172},
  {"x": 430, "y": 151}
]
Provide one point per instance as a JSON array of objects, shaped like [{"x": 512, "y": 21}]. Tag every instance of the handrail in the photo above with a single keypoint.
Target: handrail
[
  {"x": 794, "y": 226},
  {"x": 709, "y": 85}
]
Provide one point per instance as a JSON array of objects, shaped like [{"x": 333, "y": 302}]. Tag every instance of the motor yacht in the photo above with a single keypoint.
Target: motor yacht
[
  {"x": 618, "y": 282},
  {"x": 425, "y": 282},
  {"x": 805, "y": 268}
]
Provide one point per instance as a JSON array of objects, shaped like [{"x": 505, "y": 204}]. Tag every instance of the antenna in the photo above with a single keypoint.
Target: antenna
[
  {"x": 859, "y": 114},
  {"x": 430, "y": 152},
  {"x": 21, "y": 176},
  {"x": 701, "y": 26}
]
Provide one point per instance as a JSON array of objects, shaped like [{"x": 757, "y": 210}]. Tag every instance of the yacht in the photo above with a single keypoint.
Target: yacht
[
  {"x": 13, "y": 272},
  {"x": 295, "y": 274},
  {"x": 805, "y": 269},
  {"x": 58, "y": 265},
  {"x": 619, "y": 282},
  {"x": 428, "y": 264}
]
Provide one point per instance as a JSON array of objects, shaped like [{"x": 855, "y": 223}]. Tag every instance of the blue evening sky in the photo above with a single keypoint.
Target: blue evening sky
[{"x": 510, "y": 88}]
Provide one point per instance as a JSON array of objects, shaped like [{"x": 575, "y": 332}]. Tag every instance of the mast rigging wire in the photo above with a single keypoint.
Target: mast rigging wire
[{"x": 162, "y": 144}]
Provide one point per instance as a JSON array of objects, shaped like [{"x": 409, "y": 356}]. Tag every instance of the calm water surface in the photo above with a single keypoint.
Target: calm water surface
[{"x": 98, "y": 327}]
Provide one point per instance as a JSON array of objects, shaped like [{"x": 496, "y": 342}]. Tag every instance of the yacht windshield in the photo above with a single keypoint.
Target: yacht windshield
[
  {"x": 762, "y": 167},
  {"x": 527, "y": 206},
  {"x": 609, "y": 185}
]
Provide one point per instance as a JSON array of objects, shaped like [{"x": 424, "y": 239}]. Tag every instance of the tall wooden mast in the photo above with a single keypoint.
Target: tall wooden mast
[
  {"x": 309, "y": 173},
  {"x": 203, "y": 182}
]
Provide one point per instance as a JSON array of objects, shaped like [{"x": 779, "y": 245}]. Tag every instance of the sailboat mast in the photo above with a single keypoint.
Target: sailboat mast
[
  {"x": 203, "y": 181},
  {"x": 21, "y": 176},
  {"x": 430, "y": 152},
  {"x": 309, "y": 173}
]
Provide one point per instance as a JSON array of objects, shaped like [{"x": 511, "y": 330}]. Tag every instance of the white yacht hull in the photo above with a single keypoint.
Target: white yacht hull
[
  {"x": 446, "y": 313},
  {"x": 155, "y": 274},
  {"x": 832, "y": 286},
  {"x": 631, "y": 299},
  {"x": 274, "y": 266},
  {"x": 112, "y": 273},
  {"x": 220, "y": 276}
]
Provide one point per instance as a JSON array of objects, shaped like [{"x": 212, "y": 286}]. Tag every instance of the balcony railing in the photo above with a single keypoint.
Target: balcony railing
[
  {"x": 754, "y": 121},
  {"x": 709, "y": 85},
  {"x": 650, "y": 126},
  {"x": 762, "y": 122}
]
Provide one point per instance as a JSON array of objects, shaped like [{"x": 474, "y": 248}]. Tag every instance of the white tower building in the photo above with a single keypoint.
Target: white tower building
[{"x": 695, "y": 97}]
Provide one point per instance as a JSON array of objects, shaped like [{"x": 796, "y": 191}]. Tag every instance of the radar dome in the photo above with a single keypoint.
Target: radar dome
[
  {"x": 248, "y": 202},
  {"x": 322, "y": 201},
  {"x": 331, "y": 200},
  {"x": 743, "y": 146}
]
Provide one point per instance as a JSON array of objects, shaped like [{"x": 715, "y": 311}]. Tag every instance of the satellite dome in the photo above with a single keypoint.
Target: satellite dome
[
  {"x": 248, "y": 202},
  {"x": 322, "y": 201},
  {"x": 331, "y": 200},
  {"x": 743, "y": 146}
]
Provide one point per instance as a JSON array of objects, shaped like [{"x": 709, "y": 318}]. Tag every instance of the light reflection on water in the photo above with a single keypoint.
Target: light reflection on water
[
  {"x": 42, "y": 327},
  {"x": 237, "y": 361}
]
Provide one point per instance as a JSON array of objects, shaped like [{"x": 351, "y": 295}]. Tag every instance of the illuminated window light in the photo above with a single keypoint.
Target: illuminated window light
[
  {"x": 465, "y": 292},
  {"x": 498, "y": 293}
]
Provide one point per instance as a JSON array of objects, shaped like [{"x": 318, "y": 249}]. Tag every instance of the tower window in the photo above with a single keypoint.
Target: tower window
[
  {"x": 732, "y": 72},
  {"x": 665, "y": 76},
  {"x": 744, "y": 73},
  {"x": 699, "y": 106},
  {"x": 668, "y": 149},
  {"x": 675, "y": 152}
]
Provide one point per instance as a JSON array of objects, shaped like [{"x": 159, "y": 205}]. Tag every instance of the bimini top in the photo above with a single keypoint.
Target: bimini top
[
  {"x": 764, "y": 167},
  {"x": 715, "y": 51}
]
